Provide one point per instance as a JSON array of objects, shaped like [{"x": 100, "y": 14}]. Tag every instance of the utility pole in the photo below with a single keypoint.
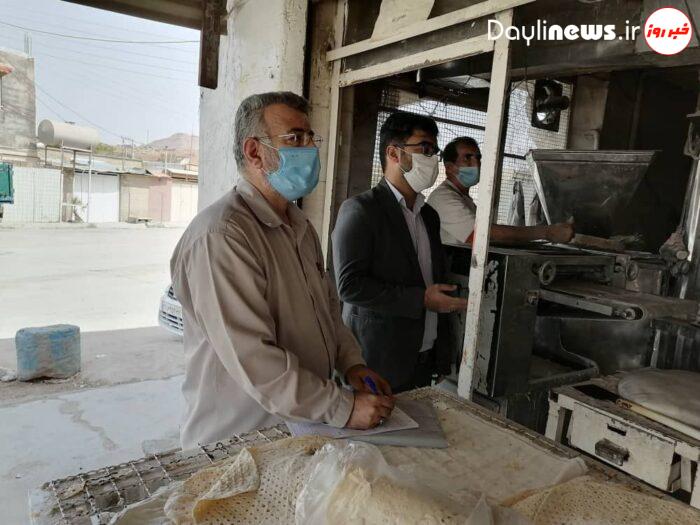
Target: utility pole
[{"x": 28, "y": 44}]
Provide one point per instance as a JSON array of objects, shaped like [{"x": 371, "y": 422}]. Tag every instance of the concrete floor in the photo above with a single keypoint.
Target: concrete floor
[
  {"x": 108, "y": 358},
  {"x": 108, "y": 281},
  {"x": 63, "y": 434},
  {"x": 96, "y": 278}
]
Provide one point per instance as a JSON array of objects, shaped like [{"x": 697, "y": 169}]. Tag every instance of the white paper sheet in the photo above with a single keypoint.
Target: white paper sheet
[{"x": 398, "y": 420}]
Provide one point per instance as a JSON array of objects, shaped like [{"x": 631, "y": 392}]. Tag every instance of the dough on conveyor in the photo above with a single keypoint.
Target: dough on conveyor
[{"x": 673, "y": 393}]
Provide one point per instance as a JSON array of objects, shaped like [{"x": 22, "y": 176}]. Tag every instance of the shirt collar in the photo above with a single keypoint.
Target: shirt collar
[
  {"x": 264, "y": 212},
  {"x": 451, "y": 185},
  {"x": 420, "y": 199}
]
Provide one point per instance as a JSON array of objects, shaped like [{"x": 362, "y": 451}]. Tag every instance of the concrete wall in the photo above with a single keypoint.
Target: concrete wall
[
  {"x": 263, "y": 51},
  {"x": 183, "y": 204},
  {"x": 18, "y": 110},
  {"x": 144, "y": 197},
  {"x": 37, "y": 195},
  {"x": 160, "y": 199},
  {"x": 324, "y": 34},
  {"x": 101, "y": 195},
  {"x": 588, "y": 112}
]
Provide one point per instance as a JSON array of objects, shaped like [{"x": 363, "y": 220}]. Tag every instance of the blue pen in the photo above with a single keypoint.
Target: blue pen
[{"x": 370, "y": 383}]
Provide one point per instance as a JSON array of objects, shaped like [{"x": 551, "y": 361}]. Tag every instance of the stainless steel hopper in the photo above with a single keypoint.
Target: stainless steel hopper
[{"x": 590, "y": 186}]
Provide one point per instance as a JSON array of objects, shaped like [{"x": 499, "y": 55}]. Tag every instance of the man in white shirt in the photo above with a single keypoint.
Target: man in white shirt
[{"x": 462, "y": 159}]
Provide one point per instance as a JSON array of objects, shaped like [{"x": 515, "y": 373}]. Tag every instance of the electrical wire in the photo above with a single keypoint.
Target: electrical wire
[
  {"x": 122, "y": 51},
  {"x": 112, "y": 68},
  {"x": 118, "y": 135},
  {"x": 84, "y": 21},
  {"x": 131, "y": 62},
  {"x": 51, "y": 109},
  {"x": 149, "y": 101},
  {"x": 187, "y": 50},
  {"x": 75, "y": 37}
]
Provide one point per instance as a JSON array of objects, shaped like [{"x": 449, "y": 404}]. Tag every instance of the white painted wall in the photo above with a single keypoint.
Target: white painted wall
[
  {"x": 183, "y": 205},
  {"x": 37, "y": 192},
  {"x": 263, "y": 51},
  {"x": 103, "y": 199}
]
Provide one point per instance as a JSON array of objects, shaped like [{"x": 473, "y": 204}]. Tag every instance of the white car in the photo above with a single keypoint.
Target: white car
[{"x": 170, "y": 312}]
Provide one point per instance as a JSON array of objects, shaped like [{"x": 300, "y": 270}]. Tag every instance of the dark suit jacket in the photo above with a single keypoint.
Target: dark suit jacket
[{"x": 380, "y": 282}]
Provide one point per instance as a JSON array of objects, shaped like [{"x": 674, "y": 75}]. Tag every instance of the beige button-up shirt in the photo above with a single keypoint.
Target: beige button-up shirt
[
  {"x": 421, "y": 243},
  {"x": 263, "y": 331}
]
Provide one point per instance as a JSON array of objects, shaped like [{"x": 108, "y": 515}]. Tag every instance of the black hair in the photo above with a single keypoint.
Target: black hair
[
  {"x": 401, "y": 125},
  {"x": 449, "y": 154}
]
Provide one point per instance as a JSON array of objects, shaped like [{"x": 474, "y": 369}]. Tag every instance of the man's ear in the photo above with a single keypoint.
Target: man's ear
[
  {"x": 252, "y": 153},
  {"x": 393, "y": 153}
]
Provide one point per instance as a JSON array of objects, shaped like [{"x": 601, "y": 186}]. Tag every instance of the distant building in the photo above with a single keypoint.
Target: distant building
[{"x": 17, "y": 109}]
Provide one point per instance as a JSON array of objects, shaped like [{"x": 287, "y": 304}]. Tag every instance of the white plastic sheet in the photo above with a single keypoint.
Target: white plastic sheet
[{"x": 350, "y": 482}]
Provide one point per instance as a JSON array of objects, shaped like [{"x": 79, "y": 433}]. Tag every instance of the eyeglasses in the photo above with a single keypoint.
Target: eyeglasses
[
  {"x": 297, "y": 138},
  {"x": 427, "y": 148}
]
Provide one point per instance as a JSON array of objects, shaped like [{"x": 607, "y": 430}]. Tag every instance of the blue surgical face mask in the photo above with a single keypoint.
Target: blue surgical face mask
[
  {"x": 468, "y": 176},
  {"x": 298, "y": 171}
]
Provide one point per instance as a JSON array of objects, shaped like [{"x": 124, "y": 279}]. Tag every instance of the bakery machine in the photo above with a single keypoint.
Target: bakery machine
[{"x": 556, "y": 315}]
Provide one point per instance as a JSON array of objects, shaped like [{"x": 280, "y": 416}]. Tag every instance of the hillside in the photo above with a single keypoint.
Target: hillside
[
  {"x": 177, "y": 141},
  {"x": 178, "y": 146}
]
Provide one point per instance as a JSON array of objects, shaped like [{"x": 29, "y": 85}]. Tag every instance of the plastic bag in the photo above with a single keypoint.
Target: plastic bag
[{"x": 351, "y": 483}]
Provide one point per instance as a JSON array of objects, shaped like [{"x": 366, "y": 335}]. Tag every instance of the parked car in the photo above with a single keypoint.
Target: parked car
[{"x": 170, "y": 312}]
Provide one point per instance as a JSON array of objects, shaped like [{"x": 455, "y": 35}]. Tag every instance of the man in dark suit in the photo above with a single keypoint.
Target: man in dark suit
[{"x": 389, "y": 262}]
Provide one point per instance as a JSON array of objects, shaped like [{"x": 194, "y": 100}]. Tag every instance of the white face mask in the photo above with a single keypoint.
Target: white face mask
[{"x": 424, "y": 172}]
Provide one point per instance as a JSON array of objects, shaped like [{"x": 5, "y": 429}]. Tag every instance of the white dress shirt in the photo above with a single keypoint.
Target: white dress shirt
[{"x": 421, "y": 243}]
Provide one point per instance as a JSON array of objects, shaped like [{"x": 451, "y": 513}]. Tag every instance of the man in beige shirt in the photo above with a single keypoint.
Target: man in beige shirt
[
  {"x": 457, "y": 210},
  {"x": 263, "y": 332}
]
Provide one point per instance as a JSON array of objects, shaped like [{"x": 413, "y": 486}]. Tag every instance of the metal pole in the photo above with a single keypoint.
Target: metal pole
[
  {"x": 60, "y": 188},
  {"x": 484, "y": 213},
  {"x": 89, "y": 203}
]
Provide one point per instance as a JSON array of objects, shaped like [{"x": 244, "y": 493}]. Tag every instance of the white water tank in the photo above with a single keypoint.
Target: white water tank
[{"x": 53, "y": 133}]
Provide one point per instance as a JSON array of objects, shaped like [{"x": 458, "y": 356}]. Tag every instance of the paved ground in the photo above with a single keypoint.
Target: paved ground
[
  {"x": 108, "y": 358},
  {"x": 97, "y": 278},
  {"x": 60, "y": 435},
  {"x": 108, "y": 281}
]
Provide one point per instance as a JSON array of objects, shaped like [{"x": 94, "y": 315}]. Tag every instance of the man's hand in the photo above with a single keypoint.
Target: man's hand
[
  {"x": 561, "y": 232},
  {"x": 369, "y": 410},
  {"x": 438, "y": 301},
  {"x": 355, "y": 377}
]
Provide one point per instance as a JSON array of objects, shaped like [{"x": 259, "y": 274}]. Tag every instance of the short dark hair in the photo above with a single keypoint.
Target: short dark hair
[
  {"x": 401, "y": 125},
  {"x": 449, "y": 154}
]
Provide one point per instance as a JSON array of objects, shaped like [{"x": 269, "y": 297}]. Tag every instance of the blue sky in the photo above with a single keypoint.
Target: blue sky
[{"x": 140, "y": 91}]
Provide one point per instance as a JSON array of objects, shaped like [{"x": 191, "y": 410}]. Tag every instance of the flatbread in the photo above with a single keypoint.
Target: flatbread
[
  {"x": 673, "y": 393},
  {"x": 357, "y": 500},
  {"x": 585, "y": 501},
  {"x": 258, "y": 486}
]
